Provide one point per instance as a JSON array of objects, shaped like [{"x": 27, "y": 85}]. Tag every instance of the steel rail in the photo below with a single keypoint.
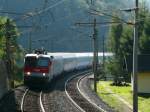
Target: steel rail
[
  {"x": 41, "y": 104},
  {"x": 22, "y": 101},
  {"x": 77, "y": 106},
  {"x": 96, "y": 106}
]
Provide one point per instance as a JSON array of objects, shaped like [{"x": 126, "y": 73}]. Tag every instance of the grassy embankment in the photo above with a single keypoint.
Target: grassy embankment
[{"x": 112, "y": 95}]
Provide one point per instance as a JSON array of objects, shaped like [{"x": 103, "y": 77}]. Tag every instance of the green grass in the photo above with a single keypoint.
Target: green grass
[{"x": 125, "y": 93}]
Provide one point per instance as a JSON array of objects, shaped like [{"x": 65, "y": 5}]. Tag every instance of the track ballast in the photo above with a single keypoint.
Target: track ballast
[{"x": 76, "y": 97}]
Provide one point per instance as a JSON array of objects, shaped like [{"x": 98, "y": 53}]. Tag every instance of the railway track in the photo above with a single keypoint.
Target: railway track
[
  {"x": 76, "y": 96},
  {"x": 54, "y": 99},
  {"x": 32, "y": 101}
]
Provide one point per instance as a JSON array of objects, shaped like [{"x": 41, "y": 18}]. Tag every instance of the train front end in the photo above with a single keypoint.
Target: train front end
[{"x": 37, "y": 69}]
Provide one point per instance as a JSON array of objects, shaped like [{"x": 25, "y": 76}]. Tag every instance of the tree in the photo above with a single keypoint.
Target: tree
[
  {"x": 114, "y": 37},
  {"x": 144, "y": 42},
  {"x": 143, "y": 13},
  {"x": 126, "y": 41},
  {"x": 115, "y": 70},
  {"x": 9, "y": 48},
  {"x": 114, "y": 43},
  {"x": 121, "y": 40},
  {"x": 2, "y": 37},
  {"x": 13, "y": 33}
]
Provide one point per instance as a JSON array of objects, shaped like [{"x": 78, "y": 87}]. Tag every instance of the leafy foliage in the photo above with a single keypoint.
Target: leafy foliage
[
  {"x": 115, "y": 41},
  {"x": 114, "y": 36},
  {"x": 126, "y": 41},
  {"x": 9, "y": 30},
  {"x": 13, "y": 34},
  {"x": 121, "y": 43},
  {"x": 144, "y": 41}
]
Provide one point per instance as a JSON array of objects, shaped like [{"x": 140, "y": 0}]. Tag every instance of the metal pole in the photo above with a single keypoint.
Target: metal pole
[
  {"x": 135, "y": 61},
  {"x": 104, "y": 58},
  {"x": 95, "y": 56}
]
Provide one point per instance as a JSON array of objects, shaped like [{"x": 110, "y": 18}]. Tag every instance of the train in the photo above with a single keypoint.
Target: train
[{"x": 43, "y": 67}]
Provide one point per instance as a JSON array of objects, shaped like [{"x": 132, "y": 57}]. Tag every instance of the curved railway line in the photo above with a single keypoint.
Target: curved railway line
[
  {"x": 77, "y": 97},
  {"x": 57, "y": 98},
  {"x": 32, "y": 101}
]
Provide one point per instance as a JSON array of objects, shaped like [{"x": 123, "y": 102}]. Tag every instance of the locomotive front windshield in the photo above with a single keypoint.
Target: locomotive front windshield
[
  {"x": 43, "y": 62},
  {"x": 36, "y": 62},
  {"x": 30, "y": 62}
]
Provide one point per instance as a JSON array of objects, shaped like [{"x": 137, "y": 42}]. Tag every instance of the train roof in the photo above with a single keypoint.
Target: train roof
[
  {"x": 60, "y": 55},
  {"x": 67, "y": 54},
  {"x": 37, "y": 55},
  {"x": 44, "y": 55},
  {"x": 64, "y": 55}
]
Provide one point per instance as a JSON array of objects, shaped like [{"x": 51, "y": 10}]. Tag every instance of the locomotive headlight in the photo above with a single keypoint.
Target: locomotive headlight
[
  {"x": 28, "y": 73},
  {"x": 43, "y": 74}
]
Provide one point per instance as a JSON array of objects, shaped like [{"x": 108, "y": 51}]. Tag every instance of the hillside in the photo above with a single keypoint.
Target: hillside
[{"x": 53, "y": 26}]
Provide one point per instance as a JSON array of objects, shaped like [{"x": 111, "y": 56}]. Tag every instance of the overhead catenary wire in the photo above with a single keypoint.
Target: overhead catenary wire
[
  {"x": 9, "y": 12},
  {"x": 52, "y": 6},
  {"x": 49, "y": 13},
  {"x": 20, "y": 33},
  {"x": 40, "y": 19},
  {"x": 100, "y": 13},
  {"x": 3, "y": 27},
  {"x": 31, "y": 29},
  {"x": 29, "y": 14},
  {"x": 110, "y": 15},
  {"x": 62, "y": 18},
  {"x": 44, "y": 7},
  {"x": 45, "y": 25},
  {"x": 33, "y": 13}
]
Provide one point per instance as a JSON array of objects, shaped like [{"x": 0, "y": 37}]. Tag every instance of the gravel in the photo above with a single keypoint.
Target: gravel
[
  {"x": 31, "y": 101},
  {"x": 78, "y": 98},
  {"x": 85, "y": 87},
  {"x": 54, "y": 97}
]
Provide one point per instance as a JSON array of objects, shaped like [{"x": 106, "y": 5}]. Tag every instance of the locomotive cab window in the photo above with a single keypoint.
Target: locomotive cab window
[
  {"x": 43, "y": 62},
  {"x": 30, "y": 61}
]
